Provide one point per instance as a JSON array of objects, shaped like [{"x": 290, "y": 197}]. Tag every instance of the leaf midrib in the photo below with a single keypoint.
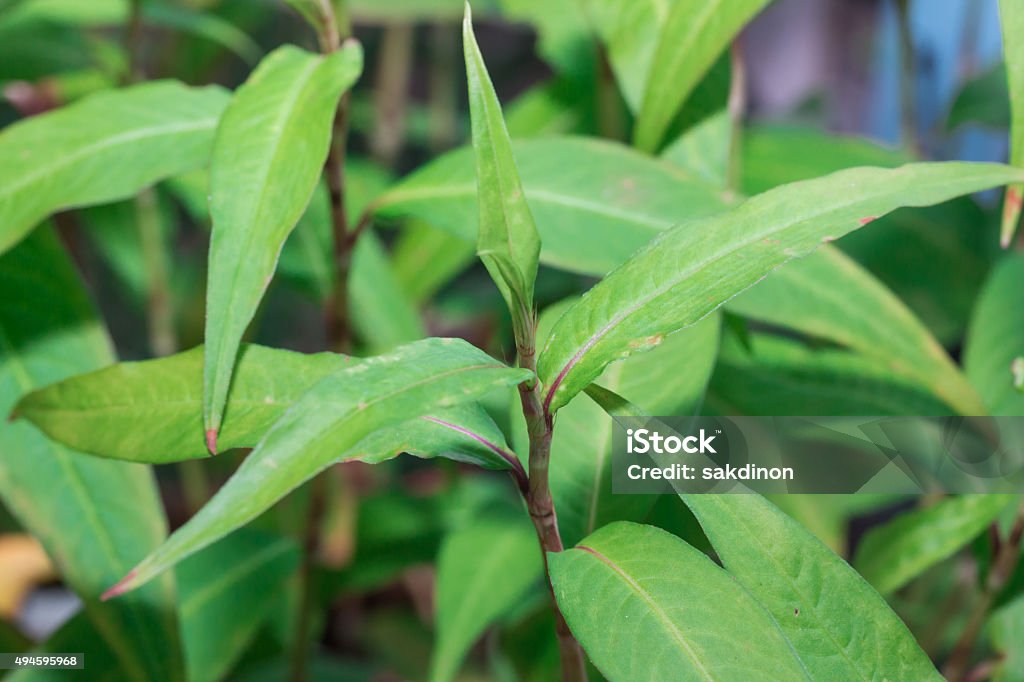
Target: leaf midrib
[{"x": 658, "y": 612}]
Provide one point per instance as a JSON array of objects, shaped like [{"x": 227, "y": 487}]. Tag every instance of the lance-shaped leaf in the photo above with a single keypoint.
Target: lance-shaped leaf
[
  {"x": 104, "y": 148},
  {"x": 227, "y": 591},
  {"x": 484, "y": 571},
  {"x": 696, "y": 32},
  {"x": 893, "y": 554},
  {"x": 267, "y": 158},
  {"x": 507, "y": 240},
  {"x": 694, "y": 268},
  {"x": 592, "y": 214},
  {"x": 150, "y": 411},
  {"x": 326, "y": 425},
  {"x": 828, "y": 296},
  {"x": 1011, "y": 14},
  {"x": 94, "y": 518},
  {"x": 839, "y": 626},
  {"x": 995, "y": 340},
  {"x": 646, "y": 605},
  {"x": 670, "y": 380}
]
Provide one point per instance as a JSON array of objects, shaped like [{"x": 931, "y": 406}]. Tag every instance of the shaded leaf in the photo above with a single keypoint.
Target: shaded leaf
[
  {"x": 1006, "y": 630},
  {"x": 484, "y": 571},
  {"x": 838, "y": 625},
  {"x": 983, "y": 100},
  {"x": 326, "y": 426},
  {"x": 646, "y": 605},
  {"x": 828, "y": 296},
  {"x": 106, "y": 147},
  {"x": 425, "y": 259},
  {"x": 995, "y": 339},
  {"x": 382, "y": 315},
  {"x": 94, "y": 518},
  {"x": 695, "y": 33},
  {"x": 893, "y": 554},
  {"x": 692, "y": 269},
  {"x": 226, "y": 593},
  {"x": 774, "y": 376},
  {"x": 592, "y": 214},
  {"x": 1011, "y": 16},
  {"x": 267, "y": 158}
]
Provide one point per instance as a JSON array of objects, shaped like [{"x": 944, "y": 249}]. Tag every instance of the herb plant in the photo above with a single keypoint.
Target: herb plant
[{"x": 626, "y": 213}]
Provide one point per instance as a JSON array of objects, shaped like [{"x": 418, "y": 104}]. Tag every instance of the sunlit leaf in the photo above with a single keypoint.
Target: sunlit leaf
[
  {"x": 838, "y": 625},
  {"x": 267, "y": 158},
  {"x": 694, "y": 268},
  {"x": 104, "y": 148},
  {"x": 326, "y": 425},
  {"x": 646, "y": 605}
]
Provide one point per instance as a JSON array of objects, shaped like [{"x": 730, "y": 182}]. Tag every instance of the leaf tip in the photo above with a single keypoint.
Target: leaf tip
[
  {"x": 211, "y": 441},
  {"x": 122, "y": 586}
]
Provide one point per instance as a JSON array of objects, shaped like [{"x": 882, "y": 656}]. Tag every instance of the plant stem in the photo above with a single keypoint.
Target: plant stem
[
  {"x": 133, "y": 43},
  {"x": 908, "y": 75},
  {"x": 442, "y": 105},
  {"x": 540, "y": 426},
  {"x": 1003, "y": 565},
  {"x": 335, "y": 29},
  {"x": 737, "y": 110},
  {"x": 391, "y": 92},
  {"x": 310, "y": 547}
]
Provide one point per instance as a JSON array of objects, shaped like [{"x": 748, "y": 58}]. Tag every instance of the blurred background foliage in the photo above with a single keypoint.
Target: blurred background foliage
[{"x": 830, "y": 84}]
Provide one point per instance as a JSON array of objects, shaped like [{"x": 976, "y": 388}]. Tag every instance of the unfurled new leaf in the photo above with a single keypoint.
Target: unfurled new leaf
[
  {"x": 838, "y": 625},
  {"x": 267, "y": 158},
  {"x": 104, "y": 148},
  {"x": 1011, "y": 15},
  {"x": 694, "y": 268},
  {"x": 507, "y": 241},
  {"x": 329, "y": 424},
  {"x": 647, "y": 606}
]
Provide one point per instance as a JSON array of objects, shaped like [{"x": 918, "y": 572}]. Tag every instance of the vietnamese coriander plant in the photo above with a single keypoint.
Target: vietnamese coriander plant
[{"x": 669, "y": 232}]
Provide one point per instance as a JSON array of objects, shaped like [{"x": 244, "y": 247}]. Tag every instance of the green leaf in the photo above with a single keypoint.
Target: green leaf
[
  {"x": 150, "y": 411},
  {"x": 646, "y": 605},
  {"x": 1011, "y": 15},
  {"x": 104, "y": 148},
  {"x": 326, "y": 425},
  {"x": 94, "y": 518},
  {"x": 227, "y": 591},
  {"x": 425, "y": 259},
  {"x": 838, "y": 625},
  {"x": 995, "y": 339},
  {"x": 893, "y": 554},
  {"x": 629, "y": 30},
  {"x": 854, "y": 310},
  {"x": 772, "y": 376},
  {"x": 592, "y": 214},
  {"x": 484, "y": 571},
  {"x": 267, "y": 158},
  {"x": 704, "y": 149},
  {"x": 775, "y": 155},
  {"x": 696, "y": 32},
  {"x": 692, "y": 269},
  {"x": 984, "y": 100},
  {"x": 381, "y": 314},
  {"x": 670, "y": 380},
  {"x": 507, "y": 239},
  {"x": 1006, "y": 630}
]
